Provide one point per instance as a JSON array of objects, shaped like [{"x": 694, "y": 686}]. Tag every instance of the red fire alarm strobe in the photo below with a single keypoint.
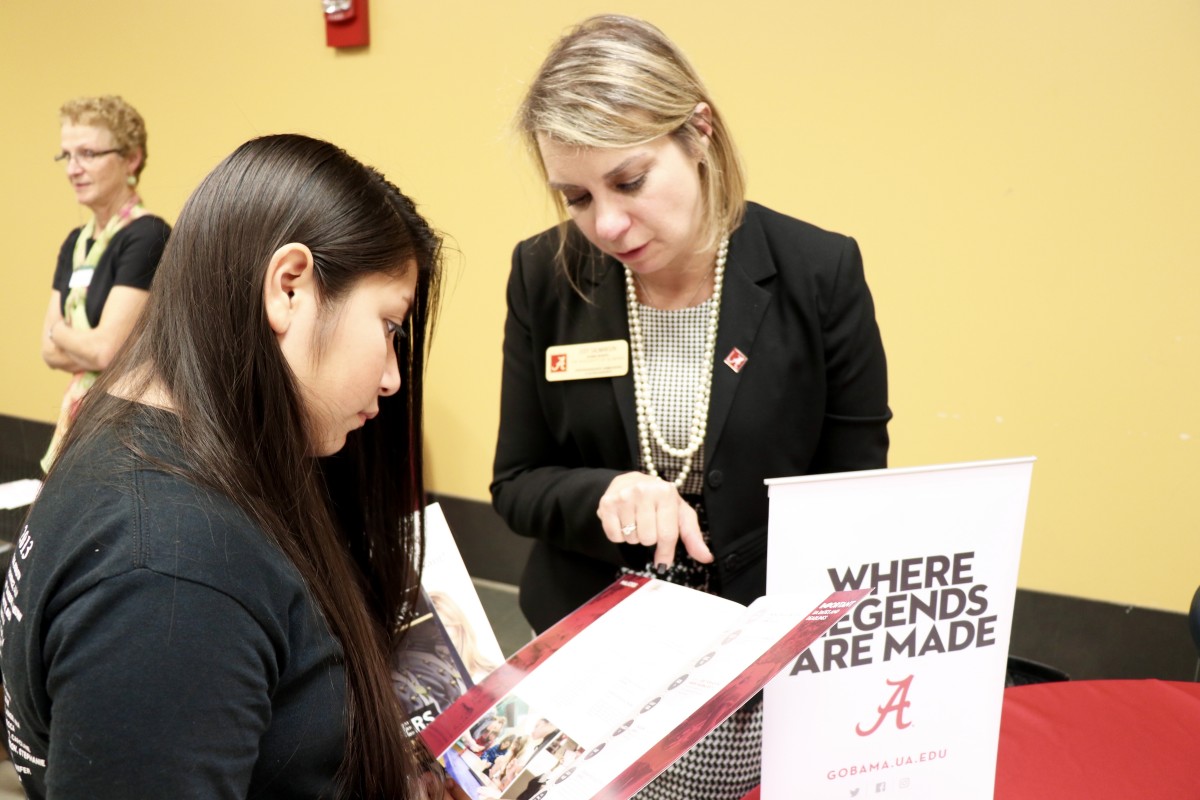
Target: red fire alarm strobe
[{"x": 346, "y": 23}]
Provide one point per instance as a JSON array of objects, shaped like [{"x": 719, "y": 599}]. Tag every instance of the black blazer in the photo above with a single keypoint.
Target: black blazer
[{"x": 811, "y": 398}]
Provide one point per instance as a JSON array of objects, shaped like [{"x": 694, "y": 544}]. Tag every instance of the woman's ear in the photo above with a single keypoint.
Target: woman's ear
[
  {"x": 288, "y": 286},
  {"x": 134, "y": 160},
  {"x": 702, "y": 119}
]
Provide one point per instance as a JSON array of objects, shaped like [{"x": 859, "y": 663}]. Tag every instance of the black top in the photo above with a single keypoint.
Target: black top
[
  {"x": 155, "y": 644},
  {"x": 130, "y": 260},
  {"x": 811, "y": 397}
]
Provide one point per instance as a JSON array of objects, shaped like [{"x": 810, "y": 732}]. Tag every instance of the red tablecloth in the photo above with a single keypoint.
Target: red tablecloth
[{"x": 1098, "y": 740}]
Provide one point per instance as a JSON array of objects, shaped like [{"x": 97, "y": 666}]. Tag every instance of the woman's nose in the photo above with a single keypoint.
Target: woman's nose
[
  {"x": 612, "y": 221},
  {"x": 390, "y": 383}
]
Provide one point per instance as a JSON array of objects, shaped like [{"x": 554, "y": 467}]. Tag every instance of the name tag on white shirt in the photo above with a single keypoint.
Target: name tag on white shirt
[
  {"x": 81, "y": 278},
  {"x": 575, "y": 362}
]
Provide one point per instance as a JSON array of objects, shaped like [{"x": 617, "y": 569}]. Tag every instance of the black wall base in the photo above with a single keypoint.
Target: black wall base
[{"x": 1089, "y": 639}]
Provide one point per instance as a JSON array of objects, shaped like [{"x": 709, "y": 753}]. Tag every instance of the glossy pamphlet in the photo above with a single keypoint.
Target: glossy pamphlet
[{"x": 610, "y": 696}]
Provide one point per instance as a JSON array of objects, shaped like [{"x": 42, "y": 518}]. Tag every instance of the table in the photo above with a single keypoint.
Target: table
[{"x": 1098, "y": 740}]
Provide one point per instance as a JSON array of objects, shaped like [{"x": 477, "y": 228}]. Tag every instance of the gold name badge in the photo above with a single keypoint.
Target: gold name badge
[{"x": 576, "y": 362}]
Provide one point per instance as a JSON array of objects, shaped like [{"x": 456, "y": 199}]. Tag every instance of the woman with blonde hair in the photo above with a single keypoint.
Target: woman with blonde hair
[
  {"x": 104, "y": 267},
  {"x": 462, "y": 636},
  {"x": 668, "y": 346}
]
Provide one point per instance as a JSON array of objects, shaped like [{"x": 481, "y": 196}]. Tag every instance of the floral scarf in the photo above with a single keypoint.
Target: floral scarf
[{"x": 83, "y": 264}]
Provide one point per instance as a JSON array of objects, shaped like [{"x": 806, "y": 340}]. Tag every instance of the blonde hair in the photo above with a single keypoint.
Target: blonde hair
[
  {"x": 615, "y": 81},
  {"x": 477, "y": 664},
  {"x": 115, "y": 115}
]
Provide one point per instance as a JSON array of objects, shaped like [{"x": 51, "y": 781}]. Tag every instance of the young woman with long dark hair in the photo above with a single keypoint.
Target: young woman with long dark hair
[{"x": 207, "y": 590}]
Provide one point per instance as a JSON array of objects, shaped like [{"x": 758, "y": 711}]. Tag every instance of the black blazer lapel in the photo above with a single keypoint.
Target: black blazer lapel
[{"x": 747, "y": 294}]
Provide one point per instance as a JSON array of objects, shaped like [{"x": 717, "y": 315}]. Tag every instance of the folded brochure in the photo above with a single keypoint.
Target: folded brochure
[{"x": 608, "y": 698}]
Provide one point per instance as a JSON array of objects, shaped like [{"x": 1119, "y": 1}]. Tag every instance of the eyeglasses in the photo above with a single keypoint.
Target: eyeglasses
[{"x": 85, "y": 156}]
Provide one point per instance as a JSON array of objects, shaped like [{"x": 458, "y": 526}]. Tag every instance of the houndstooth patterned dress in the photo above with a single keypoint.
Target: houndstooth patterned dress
[{"x": 727, "y": 763}]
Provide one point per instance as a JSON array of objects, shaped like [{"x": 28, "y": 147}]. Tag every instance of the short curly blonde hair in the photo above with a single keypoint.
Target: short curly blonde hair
[{"x": 113, "y": 113}]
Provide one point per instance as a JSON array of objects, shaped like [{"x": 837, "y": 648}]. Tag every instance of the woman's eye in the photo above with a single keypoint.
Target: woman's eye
[
  {"x": 632, "y": 186},
  {"x": 576, "y": 200},
  {"x": 395, "y": 330}
]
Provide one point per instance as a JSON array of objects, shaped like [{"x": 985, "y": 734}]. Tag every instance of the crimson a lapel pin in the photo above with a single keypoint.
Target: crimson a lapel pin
[{"x": 736, "y": 360}]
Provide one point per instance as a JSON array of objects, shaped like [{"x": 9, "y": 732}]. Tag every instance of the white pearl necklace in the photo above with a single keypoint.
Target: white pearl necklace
[{"x": 647, "y": 421}]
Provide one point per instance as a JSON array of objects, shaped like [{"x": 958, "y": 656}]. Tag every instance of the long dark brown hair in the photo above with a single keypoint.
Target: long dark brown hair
[{"x": 204, "y": 341}]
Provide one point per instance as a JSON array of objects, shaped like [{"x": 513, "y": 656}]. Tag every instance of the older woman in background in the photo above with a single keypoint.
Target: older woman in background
[{"x": 105, "y": 267}]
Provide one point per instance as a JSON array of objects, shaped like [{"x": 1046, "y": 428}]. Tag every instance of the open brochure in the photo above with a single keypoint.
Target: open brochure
[{"x": 608, "y": 698}]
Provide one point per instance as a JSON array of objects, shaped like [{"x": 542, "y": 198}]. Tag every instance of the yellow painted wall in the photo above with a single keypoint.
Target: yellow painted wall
[{"x": 1024, "y": 179}]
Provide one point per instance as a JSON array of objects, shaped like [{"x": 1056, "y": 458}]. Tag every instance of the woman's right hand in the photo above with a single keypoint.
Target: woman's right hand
[{"x": 639, "y": 509}]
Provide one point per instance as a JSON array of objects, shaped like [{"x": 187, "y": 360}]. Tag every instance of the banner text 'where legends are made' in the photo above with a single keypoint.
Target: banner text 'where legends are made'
[{"x": 921, "y": 606}]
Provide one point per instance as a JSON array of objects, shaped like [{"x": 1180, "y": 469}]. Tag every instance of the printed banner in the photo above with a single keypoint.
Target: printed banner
[{"x": 902, "y": 698}]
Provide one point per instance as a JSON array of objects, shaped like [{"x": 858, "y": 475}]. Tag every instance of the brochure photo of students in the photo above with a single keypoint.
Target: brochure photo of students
[{"x": 511, "y": 753}]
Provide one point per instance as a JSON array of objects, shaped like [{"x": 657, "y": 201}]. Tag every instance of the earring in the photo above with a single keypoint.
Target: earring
[{"x": 131, "y": 180}]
